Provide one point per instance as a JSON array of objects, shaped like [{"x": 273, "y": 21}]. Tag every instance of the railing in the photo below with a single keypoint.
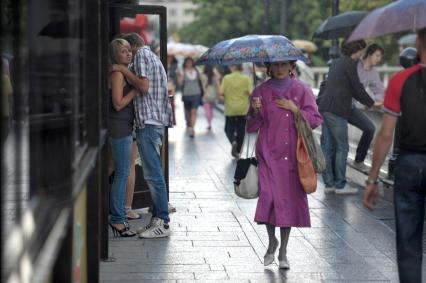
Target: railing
[{"x": 384, "y": 71}]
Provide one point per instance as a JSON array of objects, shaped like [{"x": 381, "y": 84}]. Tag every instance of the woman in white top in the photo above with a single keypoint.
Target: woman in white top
[
  {"x": 369, "y": 77},
  {"x": 192, "y": 90}
]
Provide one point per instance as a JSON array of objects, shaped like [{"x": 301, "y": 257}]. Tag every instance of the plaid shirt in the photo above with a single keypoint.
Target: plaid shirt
[{"x": 155, "y": 104}]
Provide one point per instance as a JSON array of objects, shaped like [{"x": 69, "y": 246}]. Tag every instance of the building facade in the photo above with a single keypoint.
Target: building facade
[{"x": 179, "y": 12}]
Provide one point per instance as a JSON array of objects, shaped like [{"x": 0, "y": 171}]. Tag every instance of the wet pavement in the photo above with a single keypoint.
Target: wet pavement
[{"x": 214, "y": 238}]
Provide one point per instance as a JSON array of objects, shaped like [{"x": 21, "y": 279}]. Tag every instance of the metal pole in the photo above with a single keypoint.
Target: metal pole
[
  {"x": 283, "y": 19},
  {"x": 266, "y": 22},
  {"x": 334, "y": 50}
]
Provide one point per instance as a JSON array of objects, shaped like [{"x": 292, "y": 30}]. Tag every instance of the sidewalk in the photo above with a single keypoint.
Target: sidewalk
[{"x": 214, "y": 238}]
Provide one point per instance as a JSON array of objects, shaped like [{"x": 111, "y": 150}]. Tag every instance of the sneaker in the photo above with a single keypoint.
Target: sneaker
[
  {"x": 346, "y": 190},
  {"x": 329, "y": 190},
  {"x": 171, "y": 208},
  {"x": 158, "y": 229},
  {"x": 360, "y": 166},
  {"x": 143, "y": 229}
]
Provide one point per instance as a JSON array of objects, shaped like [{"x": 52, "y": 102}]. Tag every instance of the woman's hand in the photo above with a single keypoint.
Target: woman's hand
[
  {"x": 256, "y": 104},
  {"x": 287, "y": 104},
  {"x": 116, "y": 68}
]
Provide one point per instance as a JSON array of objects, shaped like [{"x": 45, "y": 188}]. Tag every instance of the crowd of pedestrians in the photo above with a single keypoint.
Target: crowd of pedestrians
[{"x": 141, "y": 92}]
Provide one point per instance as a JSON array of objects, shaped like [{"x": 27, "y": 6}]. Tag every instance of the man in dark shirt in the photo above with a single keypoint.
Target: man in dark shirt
[
  {"x": 335, "y": 105},
  {"x": 405, "y": 100}
]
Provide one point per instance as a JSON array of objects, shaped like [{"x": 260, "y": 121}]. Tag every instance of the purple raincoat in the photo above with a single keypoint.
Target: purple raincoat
[{"x": 282, "y": 201}]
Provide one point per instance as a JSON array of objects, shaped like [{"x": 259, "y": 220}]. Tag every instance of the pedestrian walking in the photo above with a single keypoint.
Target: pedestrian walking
[
  {"x": 335, "y": 104},
  {"x": 152, "y": 115},
  {"x": 120, "y": 126},
  {"x": 192, "y": 91},
  {"x": 235, "y": 90},
  {"x": 282, "y": 201},
  {"x": 405, "y": 102},
  {"x": 211, "y": 85},
  {"x": 370, "y": 78}
]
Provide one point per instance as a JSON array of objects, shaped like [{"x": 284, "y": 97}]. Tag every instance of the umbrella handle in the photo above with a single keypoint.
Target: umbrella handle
[{"x": 254, "y": 76}]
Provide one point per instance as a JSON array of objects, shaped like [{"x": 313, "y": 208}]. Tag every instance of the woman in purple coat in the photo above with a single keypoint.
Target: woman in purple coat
[{"x": 282, "y": 201}]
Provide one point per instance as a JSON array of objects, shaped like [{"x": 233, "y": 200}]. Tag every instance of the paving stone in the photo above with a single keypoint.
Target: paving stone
[
  {"x": 138, "y": 281},
  {"x": 149, "y": 276},
  {"x": 213, "y": 281},
  {"x": 154, "y": 268},
  {"x": 211, "y": 275},
  {"x": 215, "y": 239}
]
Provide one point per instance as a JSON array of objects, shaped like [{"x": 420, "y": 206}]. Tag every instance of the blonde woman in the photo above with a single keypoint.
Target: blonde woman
[{"x": 120, "y": 126}]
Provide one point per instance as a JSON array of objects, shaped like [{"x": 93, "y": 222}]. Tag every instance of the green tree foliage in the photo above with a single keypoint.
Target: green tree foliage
[
  {"x": 222, "y": 19},
  {"x": 217, "y": 20}
]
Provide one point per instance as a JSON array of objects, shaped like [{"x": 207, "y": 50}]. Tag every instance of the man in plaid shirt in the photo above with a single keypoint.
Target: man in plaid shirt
[{"x": 152, "y": 115}]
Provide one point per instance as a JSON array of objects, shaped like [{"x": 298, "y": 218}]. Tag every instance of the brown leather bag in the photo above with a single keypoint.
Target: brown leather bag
[{"x": 307, "y": 174}]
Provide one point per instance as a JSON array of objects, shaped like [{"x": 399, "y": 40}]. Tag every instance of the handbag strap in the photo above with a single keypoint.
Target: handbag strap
[{"x": 247, "y": 137}]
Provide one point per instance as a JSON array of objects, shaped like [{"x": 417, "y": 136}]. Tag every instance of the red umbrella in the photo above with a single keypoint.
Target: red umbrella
[{"x": 395, "y": 17}]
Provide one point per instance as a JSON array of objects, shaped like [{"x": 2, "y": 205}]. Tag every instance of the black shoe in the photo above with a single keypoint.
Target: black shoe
[{"x": 125, "y": 232}]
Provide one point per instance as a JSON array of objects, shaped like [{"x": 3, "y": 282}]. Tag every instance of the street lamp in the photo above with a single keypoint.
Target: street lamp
[
  {"x": 334, "y": 49},
  {"x": 283, "y": 19},
  {"x": 266, "y": 22}
]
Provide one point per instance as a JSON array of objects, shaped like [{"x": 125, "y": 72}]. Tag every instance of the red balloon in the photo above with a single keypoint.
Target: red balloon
[
  {"x": 128, "y": 25},
  {"x": 141, "y": 20}
]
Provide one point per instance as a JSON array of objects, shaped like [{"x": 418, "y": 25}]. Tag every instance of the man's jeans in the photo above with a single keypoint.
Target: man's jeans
[
  {"x": 334, "y": 144},
  {"x": 149, "y": 144},
  {"x": 409, "y": 197},
  {"x": 121, "y": 149},
  {"x": 361, "y": 121}
]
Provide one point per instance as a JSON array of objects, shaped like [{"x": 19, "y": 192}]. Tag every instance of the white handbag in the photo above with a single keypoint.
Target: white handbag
[{"x": 246, "y": 183}]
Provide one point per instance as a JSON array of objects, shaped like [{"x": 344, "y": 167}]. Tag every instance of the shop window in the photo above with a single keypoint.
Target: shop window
[{"x": 44, "y": 135}]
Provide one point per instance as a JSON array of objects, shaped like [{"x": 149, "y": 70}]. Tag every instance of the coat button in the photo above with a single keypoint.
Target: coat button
[
  {"x": 286, "y": 115},
  {"x": 285, "y": 158}
]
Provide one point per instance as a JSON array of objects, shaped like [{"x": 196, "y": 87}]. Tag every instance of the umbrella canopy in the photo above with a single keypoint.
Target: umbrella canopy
[
  {"x": 409, "y": 39},
  {"x": 340, "y": 25},
  {"x": 395, "y": 17},
  {"x": 252, "y": 48},
  {"x": 306, "y": 45}
]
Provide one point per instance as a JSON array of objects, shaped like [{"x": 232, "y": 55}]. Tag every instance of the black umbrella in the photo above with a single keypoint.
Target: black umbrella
[{"x": 340, "y": 25}]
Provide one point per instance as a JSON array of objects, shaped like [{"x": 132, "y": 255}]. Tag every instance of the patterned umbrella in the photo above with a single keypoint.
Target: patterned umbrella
[
  {"x": 251, "y": 48},
  {"x": 395, "y": 17}
]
